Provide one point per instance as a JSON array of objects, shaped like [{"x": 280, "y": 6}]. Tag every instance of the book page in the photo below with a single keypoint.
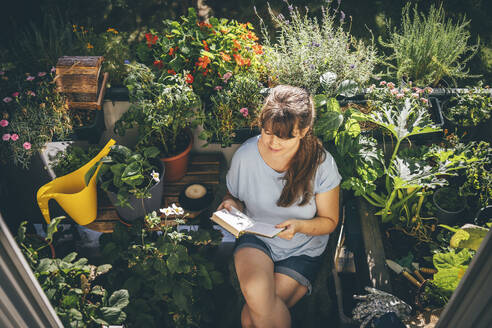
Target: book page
[
  {"x": 264, "y": 229},
  {"x": 235, "y": 219}
]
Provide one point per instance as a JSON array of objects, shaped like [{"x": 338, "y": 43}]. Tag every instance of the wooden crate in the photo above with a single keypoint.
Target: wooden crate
[
  {"x": 80, "y": 79},
  {"x": 202, "y": 168}
]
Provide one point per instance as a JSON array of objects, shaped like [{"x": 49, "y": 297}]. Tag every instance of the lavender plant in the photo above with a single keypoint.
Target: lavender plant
[{"x": 306, "y": 48}]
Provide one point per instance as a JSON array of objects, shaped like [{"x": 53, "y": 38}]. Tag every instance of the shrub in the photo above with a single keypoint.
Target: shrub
[
  {"x": 429, "y": 48},
  {"x": 305, "y": 49}
]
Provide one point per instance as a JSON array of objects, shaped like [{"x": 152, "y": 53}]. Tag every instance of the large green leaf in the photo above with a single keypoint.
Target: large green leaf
[
  {"x": 451, "y": 259},
  {"x": 119, "y": 299},
  {"x": 113, "y": 315}
]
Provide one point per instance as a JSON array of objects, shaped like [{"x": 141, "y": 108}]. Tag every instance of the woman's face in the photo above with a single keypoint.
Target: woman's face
[{"x": 281, "y": 146}]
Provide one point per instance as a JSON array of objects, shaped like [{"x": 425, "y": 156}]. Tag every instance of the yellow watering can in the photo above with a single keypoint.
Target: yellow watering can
[{"x": 71, "y": 193}]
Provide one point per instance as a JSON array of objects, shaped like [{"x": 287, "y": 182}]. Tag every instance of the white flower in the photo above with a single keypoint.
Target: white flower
[
  {"x": 167, "y": 211},
  {"x": 178, "y": 210},
  {"x": 180, "y": 221},
  {"x": 178, "y": 236},
  {"x": 155, "y": 176}
]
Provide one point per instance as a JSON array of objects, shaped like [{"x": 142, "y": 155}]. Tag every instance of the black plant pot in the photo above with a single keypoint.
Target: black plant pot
[
  {"x": 435, "y": 112},
  {"x": 117, "y": 93},
  {"x": 484, "y": 215},
  {"x": 93, "y": 132},
  {"x": 447, "y": 215},
  {"x": 138, "y": 210}
]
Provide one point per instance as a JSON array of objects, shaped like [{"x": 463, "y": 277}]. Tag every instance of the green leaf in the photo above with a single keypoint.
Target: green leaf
[
  {"x": 102, "y": 269},
  {"x": 131, "y": 171},
  {"x": 113, "y": 315},
  {"x": 151, "y": 152},
  {"x": 348, "y": 88},
  {"x": 119, "y": 299},
  {"x": 180, "y": 299},
  {"x": 53, "y": 228},
  {"x": 205, "y": 280},
  {"x": 21, "y": 232},
  {"x": 75, "y": 314},
  {"x": 70, "y": 257},
  {"x": 173, "y": 263},
  {"x": 468, "y": 236},
  {"x": 450, "y": 259}
]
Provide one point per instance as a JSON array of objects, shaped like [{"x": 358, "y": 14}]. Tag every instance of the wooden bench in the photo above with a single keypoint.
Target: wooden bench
[{"x": 202, "y": 168}]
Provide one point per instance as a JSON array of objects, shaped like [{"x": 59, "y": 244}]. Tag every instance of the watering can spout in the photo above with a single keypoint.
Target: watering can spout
[{"x": 71, "y": 193}]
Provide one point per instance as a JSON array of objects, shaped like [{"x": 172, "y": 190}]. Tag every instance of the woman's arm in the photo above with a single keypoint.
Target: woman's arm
[{"x": 325, "y": 221}]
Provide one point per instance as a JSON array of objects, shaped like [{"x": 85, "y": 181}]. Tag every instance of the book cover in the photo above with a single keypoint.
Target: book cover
[{"x": 238, "y": 223}]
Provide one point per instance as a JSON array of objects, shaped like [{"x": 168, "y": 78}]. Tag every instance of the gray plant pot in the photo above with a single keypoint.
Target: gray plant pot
[
  {"x": 137, "y": 210},
  {"x": 447, "y": 216}
]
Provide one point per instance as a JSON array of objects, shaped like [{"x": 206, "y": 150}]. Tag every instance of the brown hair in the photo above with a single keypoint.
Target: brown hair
[{"x": 286, "y": 109}]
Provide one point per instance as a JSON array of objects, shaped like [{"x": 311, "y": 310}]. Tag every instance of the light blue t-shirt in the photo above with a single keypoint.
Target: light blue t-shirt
[{"x": 259, "y": 186}]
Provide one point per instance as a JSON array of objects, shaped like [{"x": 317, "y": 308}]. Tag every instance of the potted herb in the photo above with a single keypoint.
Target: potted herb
[
  {"x": 469, "y": 110},
  {"x": 132, "y": 180},
  {"x": 233, "y": 110},
  {"x": 164, "y": 108}
]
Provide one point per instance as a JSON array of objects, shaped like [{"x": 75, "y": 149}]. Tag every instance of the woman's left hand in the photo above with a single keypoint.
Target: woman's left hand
[{"x": 291, "y": 226}]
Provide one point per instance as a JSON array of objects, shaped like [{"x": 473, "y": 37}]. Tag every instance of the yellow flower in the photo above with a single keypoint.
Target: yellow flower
[
  {"x": 74, "y": 27},
  {"x": 89, "y": 46},
  {"x": 112, "y": 30}
]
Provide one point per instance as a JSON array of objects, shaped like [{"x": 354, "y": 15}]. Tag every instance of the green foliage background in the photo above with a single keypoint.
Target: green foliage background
[{"x": 137, "y": 16}]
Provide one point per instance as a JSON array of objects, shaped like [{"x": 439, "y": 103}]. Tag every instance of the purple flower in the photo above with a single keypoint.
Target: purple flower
[
  {"x": 6, "y": 137},
  {"x": 217, "y": 88},
  {"x": 41, "y": 74},
  {"x": 30, "y": 78},
  {"x": 315, "y": 44},
  {"x": 342, "y": 15},
  {"x": 26, "y": 145},
  {"x": 352, "y": 66},
  {"x": 14, "y": 137},
  {"x": 7, "y": 100},
  {"x": 2, "y": 72},
  {"x": 291, "y": 8},
  {"x": 244, "y": 111},
  {"x": 4, "y": 123},
  {"x": 127, "y": 61},
  {"x": 312, "y": 66},
  {"x": 15, "y": 94}
]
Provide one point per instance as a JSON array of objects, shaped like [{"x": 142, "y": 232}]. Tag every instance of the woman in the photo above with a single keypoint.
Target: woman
[{"x": 284, "y": 177}]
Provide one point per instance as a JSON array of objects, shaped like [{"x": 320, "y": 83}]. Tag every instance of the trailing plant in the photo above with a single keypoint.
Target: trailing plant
[
  {"x": 306, "y": 48},
  {"x": 167, "y": 270},
  {"x": 126, "y": 173},
  {"x": 162, "y": 107},
  {"x": 72, "y": 158},
  {"x": 69, "y": 285},
  {"x": 234, "y": 106},
  {"x": 31, "y": 116},
  {"x": 427, "y": 49},
  {"x": 470, "y": 108}
]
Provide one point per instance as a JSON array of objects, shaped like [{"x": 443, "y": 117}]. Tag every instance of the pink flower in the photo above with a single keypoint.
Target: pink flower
[
  {"x": 226, "y": 76},
  {"x": 53, "y": 69},
  {"x": 30, "y": 78},
  {"x": 4, "y": 123},
  {"x": 30, "y": 93},
  {"x": 2, "y": 73},
  {"x": 6, "y": 137},
  {"x": 26, "y": 145},
  {"x": 244, "y": 111},
  {"x": 405, "y": 90},
  {"x": 394, "y": 91},
  {"x": 15, "y": 94},
  {"x": 14, "y": 137},
  {"x": 41, "y": 74},
  {"x": 382, "y": 83},
  {"x": 428, "y": 90},
  {"x": 391, "y": 85},
  {"x": 7, "y": 99},
  {"x": 415, "y": 95},
  {"x": 425, "y": 101},
  {"x": 217, "y": 88},
  {"x": 399, "y": 96}
]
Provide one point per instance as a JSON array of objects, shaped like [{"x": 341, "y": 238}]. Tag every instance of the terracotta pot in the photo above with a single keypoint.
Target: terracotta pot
[{"x": 177, "y": 166}]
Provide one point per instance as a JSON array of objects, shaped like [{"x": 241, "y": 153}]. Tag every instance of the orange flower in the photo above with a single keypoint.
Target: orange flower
[
  {"x": 171, "y": 71},
  {"x": 189, "y": 78},
  {"x": 89, "y": 46},
  {"x": 257, "y": 48},
  {"x": 202, "y": 24},
  {"x": 159, "y": 64},
  {"x": 224, "y": 31},
  {"x": 237, "y": 44},
  {"x": 252, "y": 36},
  {"x": 112, "y": 30},
  {"x": 242, "y": 61},
  {"x": 205, "y": 45},
  {"x": 203, "y": 62},
  {"x": 172, "y": 51},
  {"x": 151, "y": 39},
  {"x": 225, "y": 56}
]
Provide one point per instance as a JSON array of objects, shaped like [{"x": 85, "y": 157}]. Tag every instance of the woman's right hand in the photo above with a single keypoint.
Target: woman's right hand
[{"x": 228, "y": 203}]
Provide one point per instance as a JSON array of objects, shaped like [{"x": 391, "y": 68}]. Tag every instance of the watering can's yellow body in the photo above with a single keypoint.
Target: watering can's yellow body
[{"x": 71, "y": 193}]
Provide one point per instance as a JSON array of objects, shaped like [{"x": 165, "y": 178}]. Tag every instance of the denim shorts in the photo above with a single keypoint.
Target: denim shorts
[{"x": 302, "y": 268}]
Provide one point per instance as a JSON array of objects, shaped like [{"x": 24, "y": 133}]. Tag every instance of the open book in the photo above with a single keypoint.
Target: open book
[{"x": 238, "y": 223}]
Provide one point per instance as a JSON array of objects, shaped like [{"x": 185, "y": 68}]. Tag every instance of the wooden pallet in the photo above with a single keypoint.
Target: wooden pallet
[{"x": 202, "y": 168}]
